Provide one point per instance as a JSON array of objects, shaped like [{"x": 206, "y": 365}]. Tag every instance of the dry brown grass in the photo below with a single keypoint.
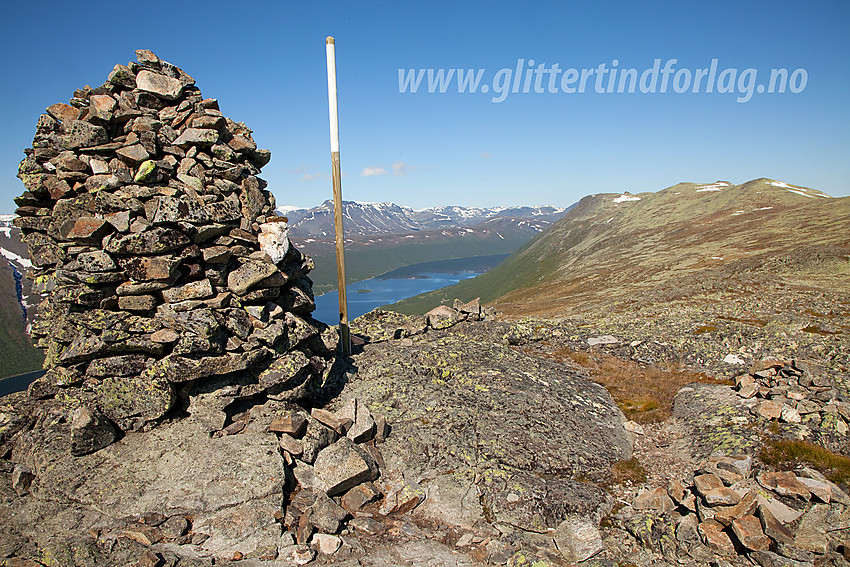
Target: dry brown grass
[
  {"x": 787, "y": 453},
  {"x": 644, "y": 393},
  {"x": 628, "y": 471}
]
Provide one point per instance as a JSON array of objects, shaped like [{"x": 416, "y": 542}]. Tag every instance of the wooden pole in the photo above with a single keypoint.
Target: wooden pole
[{"x": 344, "y": 331}]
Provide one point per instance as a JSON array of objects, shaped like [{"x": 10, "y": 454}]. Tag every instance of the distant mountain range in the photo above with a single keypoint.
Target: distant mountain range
[
  {"x": 380, "y": 237},
  {"x": 361, "y": 218}
]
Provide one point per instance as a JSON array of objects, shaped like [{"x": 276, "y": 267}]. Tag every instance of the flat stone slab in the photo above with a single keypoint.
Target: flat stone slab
[{"x": 231, "y": 485}]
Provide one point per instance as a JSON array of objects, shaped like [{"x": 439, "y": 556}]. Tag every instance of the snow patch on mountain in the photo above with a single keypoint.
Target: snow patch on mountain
[
  {"x": 718, "y": 186},
  {"x": 12, "y": 257},
  {"x": 625, "y": 198}
]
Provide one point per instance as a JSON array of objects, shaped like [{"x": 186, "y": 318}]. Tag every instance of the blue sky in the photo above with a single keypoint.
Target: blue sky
[{"x": 265, "y": 62}]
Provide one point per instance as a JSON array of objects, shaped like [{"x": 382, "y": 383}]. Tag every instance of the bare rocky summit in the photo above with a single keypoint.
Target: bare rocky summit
[
  {"x": 435, "y": 441},
  {"x": 193, "y": 412}
]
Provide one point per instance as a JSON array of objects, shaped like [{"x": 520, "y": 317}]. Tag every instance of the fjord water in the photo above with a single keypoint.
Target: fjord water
[{"x": 366, "y": 295}]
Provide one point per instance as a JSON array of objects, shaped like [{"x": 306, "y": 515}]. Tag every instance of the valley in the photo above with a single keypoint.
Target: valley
[{"x": 381, "y": 237}]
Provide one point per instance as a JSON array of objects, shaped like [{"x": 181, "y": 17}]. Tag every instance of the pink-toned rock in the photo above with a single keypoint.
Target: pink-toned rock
[
  {"x": 134, "y": 155},
  {"x": 768, "y": 409},
  {"x": 340, "y": 425},
  {"x": 747, "y": 505},
  {"x": 784, "y": 484},
  {"x": 101, "y": 107},
  {"x": 63, "y": 112},
  {"x": 326, "y": 544},
  {"x": 291, "y": 445},
  {"x": 165, "y": 336},
  {"x": 676, "y": 490},
  {"x": 442, "y": 317},
  {"x": 656, "y": 499},
  {"x": 749, "y": 532},
  {"x": 291, "y": 423},
  {"x": 705, "y": 482},
  {"x": 147, "y": 268},
  {"x": 722, "y": 496},
  {"x": 749, "y": 390},
  {"x": 85, "y": 229},
  {"x": 359, "y": 496},
  {"x": 744, "y": 380},
  {"x": 160, "y": 85},
  {"x": 402, "y": 497},
  {"x": 193, "y": 290},
  {"x": 716, "y": 539}
]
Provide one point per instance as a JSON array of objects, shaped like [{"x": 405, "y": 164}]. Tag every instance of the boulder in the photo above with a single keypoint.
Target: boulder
[
  {"x": 160, "y": 85},
  {"x": 577, "y": 539},
  {"x": 90, "y": 432},
  {"x": 492, "y": 399},
  {"x": 342, "y": 466}
]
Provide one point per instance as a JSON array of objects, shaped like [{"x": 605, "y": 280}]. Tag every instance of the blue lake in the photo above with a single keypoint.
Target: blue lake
[
  {"x": 363, "y": 296},
  {"x": 18, "y": 383}
]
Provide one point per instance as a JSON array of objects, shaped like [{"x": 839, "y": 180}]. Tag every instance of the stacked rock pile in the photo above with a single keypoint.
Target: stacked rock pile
[
  {"x": 789, "y": 392},
  {"x": 379, "y": 325},
  {"x": 336, "y": 467},
  {"x": 169, "y": 280},
  {"x": 787, "y": 518}
]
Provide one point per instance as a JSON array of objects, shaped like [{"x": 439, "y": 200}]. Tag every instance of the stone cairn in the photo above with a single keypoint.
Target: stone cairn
[{"x": 169, "y": 281}]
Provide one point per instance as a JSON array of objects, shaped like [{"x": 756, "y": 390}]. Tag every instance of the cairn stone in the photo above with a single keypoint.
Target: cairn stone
[{"x": 165, "y": 261}]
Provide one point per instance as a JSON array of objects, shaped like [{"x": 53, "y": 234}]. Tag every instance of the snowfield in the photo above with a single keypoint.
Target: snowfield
[{"x": 624, "y": 198}]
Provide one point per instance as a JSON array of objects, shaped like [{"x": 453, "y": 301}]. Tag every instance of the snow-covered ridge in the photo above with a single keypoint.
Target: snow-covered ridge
[{"x": 361, "y": 217}]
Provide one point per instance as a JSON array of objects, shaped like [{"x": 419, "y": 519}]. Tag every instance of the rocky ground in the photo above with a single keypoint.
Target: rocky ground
[{"x": 496, "y": 452}]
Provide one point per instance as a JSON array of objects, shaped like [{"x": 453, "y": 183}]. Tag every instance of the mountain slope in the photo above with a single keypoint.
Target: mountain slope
[
  {"x": 16, "y": 351},
  {"x": 622, "y": 252}
]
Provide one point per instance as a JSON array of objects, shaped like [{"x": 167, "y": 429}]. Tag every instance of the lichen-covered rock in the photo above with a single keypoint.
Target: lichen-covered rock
[
  {"x": 231, "y": 487},
  {"x": 470, "y": 413}
]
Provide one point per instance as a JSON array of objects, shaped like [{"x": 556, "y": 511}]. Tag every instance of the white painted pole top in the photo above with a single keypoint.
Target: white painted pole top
[{"x": 334, "y": 118}]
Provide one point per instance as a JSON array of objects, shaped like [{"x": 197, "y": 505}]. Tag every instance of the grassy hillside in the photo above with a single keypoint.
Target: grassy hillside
[{"x": 622, "y": 251}]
